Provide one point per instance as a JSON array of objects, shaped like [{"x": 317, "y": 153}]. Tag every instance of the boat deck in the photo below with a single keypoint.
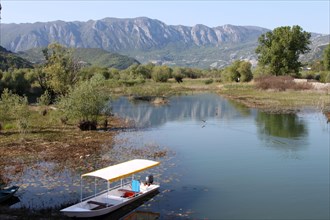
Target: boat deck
[{"x": 114, "y": 197}]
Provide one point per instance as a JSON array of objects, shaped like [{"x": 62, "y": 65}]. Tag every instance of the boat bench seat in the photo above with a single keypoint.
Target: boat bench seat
[{"x": 100, "y": 205}]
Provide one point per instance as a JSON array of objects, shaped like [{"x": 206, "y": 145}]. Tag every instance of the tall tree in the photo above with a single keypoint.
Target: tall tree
[
  {"x": 60, "y": 72},
  {"x": 280, "y": 49}
]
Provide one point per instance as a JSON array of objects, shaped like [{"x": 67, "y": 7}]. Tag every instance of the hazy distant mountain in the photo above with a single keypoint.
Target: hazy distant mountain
[
  {"x": 319, "y": 43},
  {"x": 147, "y": 40},
  {"x": 89, "y": 56}
]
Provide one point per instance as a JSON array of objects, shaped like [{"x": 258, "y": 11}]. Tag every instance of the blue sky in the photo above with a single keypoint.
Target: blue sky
[{"x": 312, "y": 16}]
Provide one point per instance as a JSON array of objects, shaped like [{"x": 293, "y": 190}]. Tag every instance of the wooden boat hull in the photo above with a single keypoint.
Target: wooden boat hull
[{"x": 111, "y": 202}]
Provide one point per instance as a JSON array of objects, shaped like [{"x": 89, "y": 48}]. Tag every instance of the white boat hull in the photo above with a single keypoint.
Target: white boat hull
[{"x": 106, "y": 203}]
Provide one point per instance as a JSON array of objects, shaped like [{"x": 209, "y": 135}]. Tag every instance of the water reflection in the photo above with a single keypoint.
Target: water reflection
[
  {"x": 228, "y": 169},
  {"x": 281, "y": 125},
  {"x": 235, "y": 162},
  {"x": 181, "y": 108},
  {"x": 284, "y": 132}
]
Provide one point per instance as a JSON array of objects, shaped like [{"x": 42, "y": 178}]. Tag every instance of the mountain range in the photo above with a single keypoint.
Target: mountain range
[{"x": 148, "y": 40}]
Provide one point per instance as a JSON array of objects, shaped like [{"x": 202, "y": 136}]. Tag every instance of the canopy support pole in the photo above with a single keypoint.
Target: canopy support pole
[
  {"x": 81, "y": 187},
  {"x": 108, "y": 183},
  {"x": 95, "y": 186}
]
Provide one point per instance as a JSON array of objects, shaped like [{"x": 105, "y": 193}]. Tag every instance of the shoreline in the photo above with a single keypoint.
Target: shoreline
[{"x": 68, "y": 143}]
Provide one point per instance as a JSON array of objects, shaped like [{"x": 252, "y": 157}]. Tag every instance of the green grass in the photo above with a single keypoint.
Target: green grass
[
  {"x": 276, "y": 100},
  {"x": 245, "y": 93}
]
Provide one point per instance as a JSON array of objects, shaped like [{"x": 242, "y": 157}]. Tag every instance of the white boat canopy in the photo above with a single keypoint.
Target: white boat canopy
[{"x": 122, "y": 170}]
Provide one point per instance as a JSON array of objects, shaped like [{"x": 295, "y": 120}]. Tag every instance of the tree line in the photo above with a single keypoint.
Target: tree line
[{"x": 77, "y": 89}]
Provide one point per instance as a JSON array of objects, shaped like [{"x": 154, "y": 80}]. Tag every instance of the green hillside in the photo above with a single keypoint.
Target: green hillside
[
  {"x": 12, "y": 60},
  {"x": 91, "y": 56}
]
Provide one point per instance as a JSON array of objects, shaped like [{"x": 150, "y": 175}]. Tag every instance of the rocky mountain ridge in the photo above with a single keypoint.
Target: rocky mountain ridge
[{"x": 145, "y": 39}]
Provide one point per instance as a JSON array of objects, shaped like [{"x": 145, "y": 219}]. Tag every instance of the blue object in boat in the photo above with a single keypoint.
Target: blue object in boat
[{"x": 135, "y": 185}]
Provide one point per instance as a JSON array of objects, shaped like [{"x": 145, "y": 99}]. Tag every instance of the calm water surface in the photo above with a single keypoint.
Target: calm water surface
[
  {"x": 231, "y": 162},
  {"x": 224, "y": 161}
]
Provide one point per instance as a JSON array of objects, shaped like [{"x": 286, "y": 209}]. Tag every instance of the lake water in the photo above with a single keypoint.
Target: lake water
[
  {"x": 224, "y": 161},
  {"x": 227, "y": 161}
]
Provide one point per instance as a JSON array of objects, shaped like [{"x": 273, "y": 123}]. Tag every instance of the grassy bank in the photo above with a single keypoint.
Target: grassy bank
[
  {"x": 277, "y": 101},
  {"x": 245, "y": 93},
  {"x": 47, "y": 136}
]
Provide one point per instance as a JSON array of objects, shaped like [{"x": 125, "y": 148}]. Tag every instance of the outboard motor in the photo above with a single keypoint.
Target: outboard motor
[{"x": 149, "y": 179}]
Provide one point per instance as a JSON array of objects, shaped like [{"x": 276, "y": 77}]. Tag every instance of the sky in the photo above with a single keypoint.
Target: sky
[{"x": 311, "y": 15}]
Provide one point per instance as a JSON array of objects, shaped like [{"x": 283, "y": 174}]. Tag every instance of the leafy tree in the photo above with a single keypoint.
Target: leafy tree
[
  {"x": 280, "y": 49},
  {"x": 244, "y": 70},
  {"x": 144, "y": 71},
  {"x": 214, "y": 73},
  {"x": 178, "y": 74},
  {"x": 86, "y": 101},
  {"x": 88, "y": 72},
  {"x": 114, "y": 73},
  {"x": 260, "y": 71},
  {"x": 326, "y": 58},
  {"x": 60, "y": 72},
  {"x": 230, "y": 73},
  {"x": 192, "y": 73},
  {"x": 238, "y": 71},
  {"x": 161, "y": 73},
  {"x": 149, "y": 67}
]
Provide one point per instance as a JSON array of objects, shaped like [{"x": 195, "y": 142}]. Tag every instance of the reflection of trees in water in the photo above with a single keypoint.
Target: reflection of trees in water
[
  {"x": 242, "y": 109},
  {"x": 280, "y": 125},
  {"x": 180, "y": 108},
  {"x": 283, "y": 132}
]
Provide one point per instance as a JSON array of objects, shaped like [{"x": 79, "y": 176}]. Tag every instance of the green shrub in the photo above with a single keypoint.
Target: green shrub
[
  {"x": 208, "y": 81},
  {"x": 161, "y": 73},
  {"x": 239, "y": 71},
  {"x": 14, "y": 107},
  {"x": 325, "y": 76},
  {"x": 86, "y": 101}
]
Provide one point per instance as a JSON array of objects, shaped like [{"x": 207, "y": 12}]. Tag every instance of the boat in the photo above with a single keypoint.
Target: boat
[
  {"x": 126, "y": 189},
  {"x": 7, "y": 193}
]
